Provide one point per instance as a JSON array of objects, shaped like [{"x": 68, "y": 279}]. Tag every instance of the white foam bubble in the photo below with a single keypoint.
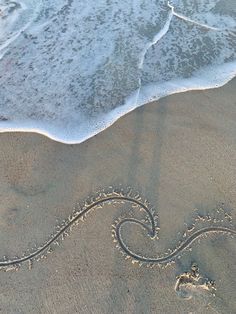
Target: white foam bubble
[{"x": 76, "y": 67}]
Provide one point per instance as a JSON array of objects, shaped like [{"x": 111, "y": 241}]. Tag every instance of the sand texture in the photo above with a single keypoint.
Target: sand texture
[{"x": 180, "y": 155}]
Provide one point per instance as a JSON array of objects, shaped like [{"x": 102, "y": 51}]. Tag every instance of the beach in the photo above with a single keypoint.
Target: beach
[{"x": 179, "y": 153}]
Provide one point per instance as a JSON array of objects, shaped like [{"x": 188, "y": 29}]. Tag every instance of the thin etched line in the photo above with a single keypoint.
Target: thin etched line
[
  {"x": 184, "y": 245},
  {"x": 150, "y": 227},
  {"x": 70, "y": 223}
]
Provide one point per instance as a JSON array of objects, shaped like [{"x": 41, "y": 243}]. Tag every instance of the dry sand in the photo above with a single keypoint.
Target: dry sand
[{"x": 180, "y": 153}]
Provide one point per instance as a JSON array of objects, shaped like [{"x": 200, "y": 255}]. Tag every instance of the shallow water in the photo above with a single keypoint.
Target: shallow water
[{"x": 69, "y": 69}]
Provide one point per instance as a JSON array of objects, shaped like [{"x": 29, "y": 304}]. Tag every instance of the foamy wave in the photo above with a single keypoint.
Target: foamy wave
[{"x": 70, "y": 69}]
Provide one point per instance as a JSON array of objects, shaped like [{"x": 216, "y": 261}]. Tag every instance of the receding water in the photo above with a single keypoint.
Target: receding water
[{"x": 69, "y": 69}]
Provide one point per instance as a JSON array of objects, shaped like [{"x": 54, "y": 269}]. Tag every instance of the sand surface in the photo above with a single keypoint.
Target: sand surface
[{"x": 179, "y": 153}]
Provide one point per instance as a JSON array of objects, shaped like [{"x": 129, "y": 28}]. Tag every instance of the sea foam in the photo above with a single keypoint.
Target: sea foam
[{"x": 69, "y": 69}]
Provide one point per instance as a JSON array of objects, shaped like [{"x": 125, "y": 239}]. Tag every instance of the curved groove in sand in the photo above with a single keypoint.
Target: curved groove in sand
[
  {"x": 149, "y": 227},
  {"x": 78, "y": 216},
  {"x": 184, "y": 245}
]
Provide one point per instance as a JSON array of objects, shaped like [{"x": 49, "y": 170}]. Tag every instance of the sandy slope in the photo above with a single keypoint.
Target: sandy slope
[{"x": 180, "y": 153}]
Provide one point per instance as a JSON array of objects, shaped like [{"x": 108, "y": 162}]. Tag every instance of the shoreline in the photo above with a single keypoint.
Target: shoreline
[
  {"x": 106, "y": 121},
  {"x": 179, "y": 153}
]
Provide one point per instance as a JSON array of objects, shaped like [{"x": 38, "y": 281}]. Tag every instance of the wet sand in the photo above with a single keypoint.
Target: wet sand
[{"x": 179, "y": 153}]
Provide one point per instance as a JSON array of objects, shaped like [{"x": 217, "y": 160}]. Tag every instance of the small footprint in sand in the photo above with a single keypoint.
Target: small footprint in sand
[{"x": 192, "y": 283}]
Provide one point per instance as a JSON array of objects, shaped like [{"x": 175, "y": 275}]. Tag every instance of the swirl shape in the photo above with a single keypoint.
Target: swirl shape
[{"x": 150, "y": 227}]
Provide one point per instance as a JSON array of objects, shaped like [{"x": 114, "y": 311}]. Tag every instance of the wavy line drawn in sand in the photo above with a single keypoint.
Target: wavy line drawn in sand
[{"x": 149, "y": 224}]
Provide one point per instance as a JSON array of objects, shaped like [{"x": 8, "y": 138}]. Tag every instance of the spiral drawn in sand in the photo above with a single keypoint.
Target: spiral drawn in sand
[{"x": 149, "y": 224}]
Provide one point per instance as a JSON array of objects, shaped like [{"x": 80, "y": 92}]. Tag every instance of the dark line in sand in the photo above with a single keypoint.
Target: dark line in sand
[
  {"x": 177, "y": 251},
  {"x": 83, "y": 212},
  {"x": 151, "y": 231}
]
